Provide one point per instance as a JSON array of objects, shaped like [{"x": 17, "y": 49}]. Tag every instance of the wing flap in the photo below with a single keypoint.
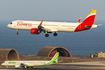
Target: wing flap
[
  {"x": 49, "y": 29},
  {"x": 26, "y": 64}
]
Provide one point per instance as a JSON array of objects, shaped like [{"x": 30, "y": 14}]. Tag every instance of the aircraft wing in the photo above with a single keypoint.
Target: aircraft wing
[
  {"x": 46, "y": 29},
  {"x": 23, "y": 65},
  {"x": 26, "y": 64}
]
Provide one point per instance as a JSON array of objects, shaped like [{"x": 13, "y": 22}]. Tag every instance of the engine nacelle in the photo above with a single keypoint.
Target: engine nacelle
[{"x": 34, "y": 31}]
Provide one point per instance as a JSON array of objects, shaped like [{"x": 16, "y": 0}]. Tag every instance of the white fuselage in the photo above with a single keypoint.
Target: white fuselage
[
  {"x": 27, "y": 62},
  {"x": 55, "y": 26},
  {"x": 31, "y": 63}
]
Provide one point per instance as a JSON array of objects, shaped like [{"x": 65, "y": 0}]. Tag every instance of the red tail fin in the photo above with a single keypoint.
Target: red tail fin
[{"x": 87, "y": 23}]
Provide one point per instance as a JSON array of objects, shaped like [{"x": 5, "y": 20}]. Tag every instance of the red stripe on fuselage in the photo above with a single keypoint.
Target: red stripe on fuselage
[{"x": 87, "y": 22}]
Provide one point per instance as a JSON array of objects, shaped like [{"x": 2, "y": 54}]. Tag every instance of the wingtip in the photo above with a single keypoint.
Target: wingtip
[{"x": 41, "y": 22}]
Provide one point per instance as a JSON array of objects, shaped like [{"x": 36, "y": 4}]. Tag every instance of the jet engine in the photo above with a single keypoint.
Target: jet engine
[{"x": 34, "y": 31}]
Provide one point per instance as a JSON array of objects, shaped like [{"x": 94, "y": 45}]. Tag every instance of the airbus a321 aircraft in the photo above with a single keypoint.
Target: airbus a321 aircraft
[
  {"x": 31, "y": 63},
  {"x": 36, "y": 27}
]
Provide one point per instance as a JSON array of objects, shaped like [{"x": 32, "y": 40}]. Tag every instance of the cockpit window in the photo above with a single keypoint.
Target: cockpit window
[{"x": 10, "y": 23}]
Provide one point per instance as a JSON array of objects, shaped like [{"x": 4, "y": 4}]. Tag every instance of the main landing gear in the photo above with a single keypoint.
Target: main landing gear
[
  {"x": 47, "y": 35},
  {"x": 55, "y": 34},
  {"x": 17, "y": 32}
]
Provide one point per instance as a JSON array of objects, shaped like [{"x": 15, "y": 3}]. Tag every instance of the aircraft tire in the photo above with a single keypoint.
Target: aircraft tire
[
  {"x": 46, "y": 35},
  {"x": 55, "y": 34}
]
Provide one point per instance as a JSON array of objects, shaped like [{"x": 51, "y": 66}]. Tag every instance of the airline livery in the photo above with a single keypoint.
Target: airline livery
[
  {"x": 36, "y": 27},
  {"x": 31, "y": 63}
]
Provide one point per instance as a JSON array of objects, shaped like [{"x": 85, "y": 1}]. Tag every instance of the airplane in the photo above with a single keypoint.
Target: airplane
[
  {"x": 36, "y": 27},
  {"x": 31, "y": 63}
]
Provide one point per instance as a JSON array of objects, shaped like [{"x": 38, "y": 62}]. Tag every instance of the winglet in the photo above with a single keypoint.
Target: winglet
[
  {"x": 41, "y": 22},
  {"x": 79, "y": 20}
]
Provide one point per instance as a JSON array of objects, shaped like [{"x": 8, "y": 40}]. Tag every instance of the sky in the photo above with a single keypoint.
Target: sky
[{"x": 50, "y": 10}]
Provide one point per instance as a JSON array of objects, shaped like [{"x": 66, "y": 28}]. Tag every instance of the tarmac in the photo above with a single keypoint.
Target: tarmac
[{"x": 86, "y": 63}]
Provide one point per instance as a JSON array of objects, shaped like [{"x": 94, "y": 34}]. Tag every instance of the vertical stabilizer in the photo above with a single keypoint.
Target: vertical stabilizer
[
  {"x": 88, "y": 22},
  {"x": 54, "y": 60}
]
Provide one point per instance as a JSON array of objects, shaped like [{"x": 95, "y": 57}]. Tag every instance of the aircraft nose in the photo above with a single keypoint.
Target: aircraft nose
[
  {"x": 2, "y": 64},
  {"x": 8, "y": 25}
]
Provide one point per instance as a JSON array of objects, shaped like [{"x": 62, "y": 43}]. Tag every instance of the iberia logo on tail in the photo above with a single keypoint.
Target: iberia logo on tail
[{"x": 87, "y": 23}]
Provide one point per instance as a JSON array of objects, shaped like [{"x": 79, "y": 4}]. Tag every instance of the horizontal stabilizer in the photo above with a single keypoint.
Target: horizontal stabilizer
[{"x": 49, "y": 29}]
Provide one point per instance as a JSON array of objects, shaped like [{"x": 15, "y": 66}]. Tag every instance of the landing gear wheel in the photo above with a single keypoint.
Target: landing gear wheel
[
  {"x": 17, "y": 32},
  {"x": 55, "y": 34},
  {"x": 46, "y": 35}
]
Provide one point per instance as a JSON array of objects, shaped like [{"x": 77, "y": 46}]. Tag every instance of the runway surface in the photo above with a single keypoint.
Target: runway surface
[{"x": 90, "y": 65}]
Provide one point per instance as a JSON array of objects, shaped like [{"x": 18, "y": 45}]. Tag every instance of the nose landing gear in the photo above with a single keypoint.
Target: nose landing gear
[{"x": 17, "y": 32}]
